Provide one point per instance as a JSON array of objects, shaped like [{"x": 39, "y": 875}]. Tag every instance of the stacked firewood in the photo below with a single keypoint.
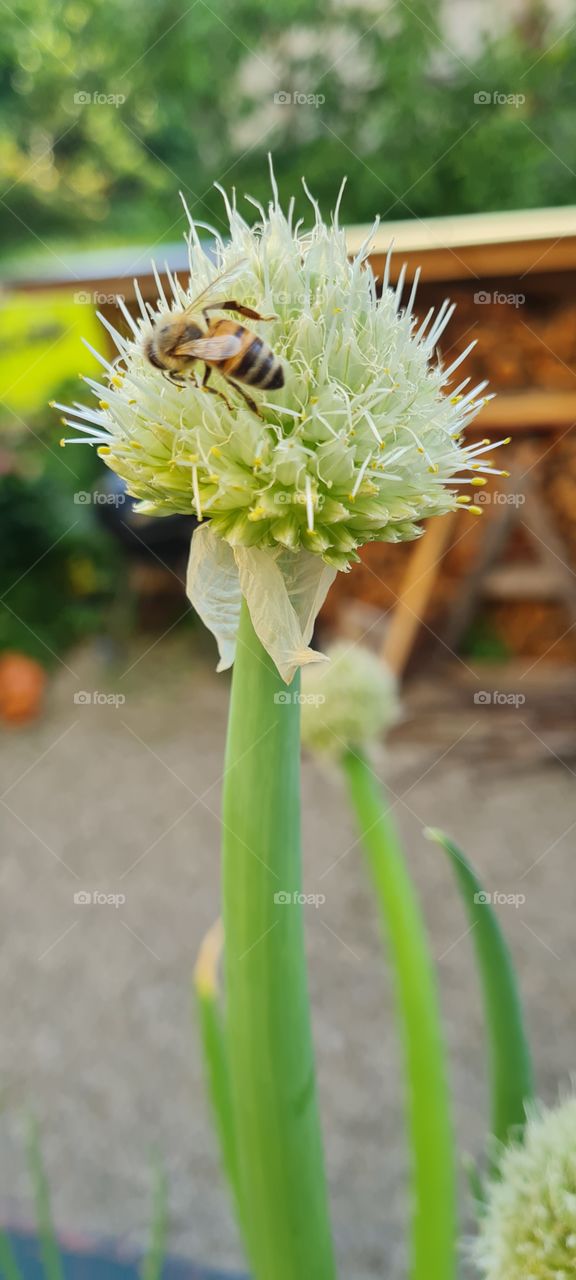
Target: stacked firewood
[
  {"x": 510, "y": 628},
  {"x": 524, "y": 341}
]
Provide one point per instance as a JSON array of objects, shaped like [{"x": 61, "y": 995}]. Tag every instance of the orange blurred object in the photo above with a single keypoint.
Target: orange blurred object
[{"x": 22, "y": 682}]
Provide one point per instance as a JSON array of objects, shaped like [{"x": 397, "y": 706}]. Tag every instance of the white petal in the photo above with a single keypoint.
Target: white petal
[
  {"x": 213, "y": 587},
  {"x": 284, "y": 592}
]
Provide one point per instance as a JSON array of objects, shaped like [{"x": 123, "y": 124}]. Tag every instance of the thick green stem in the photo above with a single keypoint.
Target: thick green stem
[
  {"x": 434, "y": 1231},
  {"x": 270, "y": 1052}
]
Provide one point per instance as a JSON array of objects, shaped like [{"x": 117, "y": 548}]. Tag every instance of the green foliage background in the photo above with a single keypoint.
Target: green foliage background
[{"x": 199, "y": 79}]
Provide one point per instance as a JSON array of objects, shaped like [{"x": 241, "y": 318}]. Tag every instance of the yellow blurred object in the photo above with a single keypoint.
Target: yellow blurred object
[{"x": 41, "y": 345}]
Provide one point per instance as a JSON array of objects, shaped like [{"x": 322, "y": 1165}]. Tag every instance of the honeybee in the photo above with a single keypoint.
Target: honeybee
[{"x": 178, "y": 340}]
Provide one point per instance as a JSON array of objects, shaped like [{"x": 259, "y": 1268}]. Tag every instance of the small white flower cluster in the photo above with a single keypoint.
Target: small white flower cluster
[
  {"x": 528, "y": 1226},
  {"x": 347, "y": 703},
  {"x": 361, "y": 443}
]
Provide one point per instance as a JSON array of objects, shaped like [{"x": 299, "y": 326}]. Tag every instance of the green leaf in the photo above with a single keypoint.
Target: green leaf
[
  {"x": 434, "y": 1224},
  {"x": 153, "y": 1262},
  {"x": 9, "y": 1269},
  {"x": 215, "y": 1052},
  {"x": 50, "y": 1252},
  {"x": 512, "y": 1081}
]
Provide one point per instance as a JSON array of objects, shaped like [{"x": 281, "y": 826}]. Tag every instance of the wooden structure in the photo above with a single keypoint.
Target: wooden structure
[{"x": 513, "y": 276}]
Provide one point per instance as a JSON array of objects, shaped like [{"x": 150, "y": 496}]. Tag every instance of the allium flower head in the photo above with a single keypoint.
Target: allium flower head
[
  {"x": 348, "y": 702},
  {"x": 361, "y": 443},
  {"x": 528, "y": 1228}
]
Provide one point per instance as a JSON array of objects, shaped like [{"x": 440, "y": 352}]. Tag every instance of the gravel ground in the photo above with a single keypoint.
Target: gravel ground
[{"x": 98, "y": 1039}]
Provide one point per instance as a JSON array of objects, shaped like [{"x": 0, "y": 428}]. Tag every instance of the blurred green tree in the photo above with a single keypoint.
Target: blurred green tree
[{"x": 187, "y": 96}]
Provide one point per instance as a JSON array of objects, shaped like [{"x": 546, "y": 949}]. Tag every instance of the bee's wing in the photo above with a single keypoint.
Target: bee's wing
[
  {"x": 223, "y": 278},
  {"x": 218, "y": 348}
]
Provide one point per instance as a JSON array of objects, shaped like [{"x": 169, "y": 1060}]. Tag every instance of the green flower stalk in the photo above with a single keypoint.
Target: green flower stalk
[
  {"x": 346, "y": 706},
  {"x": 361, "y": 443},
  {"x": 528, "y": 1227},
  {"x": 269, "y": 1039}
]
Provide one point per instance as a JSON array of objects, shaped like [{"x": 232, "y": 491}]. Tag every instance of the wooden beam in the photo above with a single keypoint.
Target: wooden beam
[{"x": 421, "y": 575}]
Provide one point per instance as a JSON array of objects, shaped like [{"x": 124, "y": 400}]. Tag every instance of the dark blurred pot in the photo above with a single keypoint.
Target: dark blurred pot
[
  {"x": 103, "y": 1260},
  {"x": 145, "y": 537}
]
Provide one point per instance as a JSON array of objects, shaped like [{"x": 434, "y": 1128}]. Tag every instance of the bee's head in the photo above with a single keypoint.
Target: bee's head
[{"x": 151, "y": 352}]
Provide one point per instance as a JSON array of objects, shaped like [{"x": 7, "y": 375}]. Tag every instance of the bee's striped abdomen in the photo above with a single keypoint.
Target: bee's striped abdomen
[{"x": 256, "y": 365}]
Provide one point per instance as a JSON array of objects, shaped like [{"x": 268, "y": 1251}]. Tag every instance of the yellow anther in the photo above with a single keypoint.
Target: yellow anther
[
  {"x": 478, "y": 481},
  {"x": 462, "y": 499},
  {"x": 475, "y": 511},
  {"x": 117, "y": 381},
  {"x": 434, "y": 469},
  {"x": 103, "y": 404}
]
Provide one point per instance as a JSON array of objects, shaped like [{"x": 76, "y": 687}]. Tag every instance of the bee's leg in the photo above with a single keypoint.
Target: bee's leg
[
  {"x": 175, "y": 378},
  {"x": 236, "y": 306},
  {"x": 213, "y": 391},
  {"x": 249, "y": 401}
]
